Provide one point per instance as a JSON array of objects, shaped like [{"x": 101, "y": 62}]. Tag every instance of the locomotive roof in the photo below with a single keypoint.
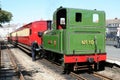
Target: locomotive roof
[
  {"x": 89, "y": 17},
  {"x": 68, "y": 9}
]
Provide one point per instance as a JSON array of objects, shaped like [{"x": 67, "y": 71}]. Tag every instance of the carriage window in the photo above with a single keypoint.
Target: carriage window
[
  {"x": 78, "y": 17},
  {"x": 62, "y": 21},
  {"x": 95, "y": 18}
]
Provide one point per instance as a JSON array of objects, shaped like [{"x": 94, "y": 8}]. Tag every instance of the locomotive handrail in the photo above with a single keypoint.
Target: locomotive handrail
[{"x": 83, "y": 51}]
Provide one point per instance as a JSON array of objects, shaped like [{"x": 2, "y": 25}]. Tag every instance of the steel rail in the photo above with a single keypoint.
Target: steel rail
[
  {"x": 79, "y": 77},
  {"x": 102, "y": 76},
  {"x": 16, "y": 67}
]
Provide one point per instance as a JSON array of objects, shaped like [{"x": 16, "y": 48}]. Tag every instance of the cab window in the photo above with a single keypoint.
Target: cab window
[
  {"x": 78, "y": 17},
  {"x": 95, "y": 18},
  {"x": 62, "y": 21}
]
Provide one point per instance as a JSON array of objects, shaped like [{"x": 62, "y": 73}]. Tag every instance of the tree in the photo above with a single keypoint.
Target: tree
[{"x": 5, "y": 16}]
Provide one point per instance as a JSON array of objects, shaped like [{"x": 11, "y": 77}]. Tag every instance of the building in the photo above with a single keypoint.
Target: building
[
  {"x": 111, "y": 27},
  {"x": 8, "y": 28}
]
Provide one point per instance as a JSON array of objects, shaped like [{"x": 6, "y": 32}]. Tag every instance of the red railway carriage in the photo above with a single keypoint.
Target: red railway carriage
[{"x": 29, "y": 32}]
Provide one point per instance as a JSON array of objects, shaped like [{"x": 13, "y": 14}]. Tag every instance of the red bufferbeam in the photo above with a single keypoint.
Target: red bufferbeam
[{"x": 84, "y": 58}]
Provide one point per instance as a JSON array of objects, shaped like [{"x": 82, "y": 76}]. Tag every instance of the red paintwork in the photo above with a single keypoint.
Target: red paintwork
[
  {"x": 35, "y": 27},
  {"x": 83, "y": 58},
  {"x": 24, "y": 40},
  {"x": 41, "y": 26},
  {"x": 59, "y": 27}
]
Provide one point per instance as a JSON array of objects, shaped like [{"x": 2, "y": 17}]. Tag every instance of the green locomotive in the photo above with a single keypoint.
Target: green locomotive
[{"x": 77, "y": 39}]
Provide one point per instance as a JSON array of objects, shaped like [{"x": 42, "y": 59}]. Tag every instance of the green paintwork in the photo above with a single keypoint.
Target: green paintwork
[
  {"x": 53, "y": 41},
  {"x": 84, "y": 42},
  {"x": 82, "y": 37}
]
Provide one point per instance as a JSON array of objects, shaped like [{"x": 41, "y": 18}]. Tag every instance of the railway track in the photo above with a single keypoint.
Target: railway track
[
  {"x": 88, "y": 76},
  {"x": 83, "y": 76},
  {"x": 11, "y": 59},
  {"x": 16, "y": 67},
  {"x": 78, "y": 76}
]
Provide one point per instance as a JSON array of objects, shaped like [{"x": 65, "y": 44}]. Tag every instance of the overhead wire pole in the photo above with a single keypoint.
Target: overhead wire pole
[
  {"x": 0, "y": 42},
  {"x": 0, "y": 11},
  {"x": 0, "y": 5}
]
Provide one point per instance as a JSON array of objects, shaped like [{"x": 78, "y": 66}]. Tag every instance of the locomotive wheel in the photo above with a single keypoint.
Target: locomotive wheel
[
  {"x": 52, "y": 57},
  {"x": 102, "y": 65},
  {"x": 68, "y": 68},
  {"x": 99, "y": 66},
  {"x": 48, "y": 55},
  {"x": 42, "y": 54}
]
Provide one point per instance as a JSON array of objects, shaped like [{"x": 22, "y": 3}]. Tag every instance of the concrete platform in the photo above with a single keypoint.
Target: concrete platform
[{"x": 113, "y": 55}]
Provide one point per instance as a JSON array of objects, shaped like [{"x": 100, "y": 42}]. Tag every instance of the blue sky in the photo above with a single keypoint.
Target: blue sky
[{"x": 25, "y": 11}]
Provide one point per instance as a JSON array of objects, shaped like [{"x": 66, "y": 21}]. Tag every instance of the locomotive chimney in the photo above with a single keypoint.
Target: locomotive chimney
[{"x": 49, "y": 24}]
